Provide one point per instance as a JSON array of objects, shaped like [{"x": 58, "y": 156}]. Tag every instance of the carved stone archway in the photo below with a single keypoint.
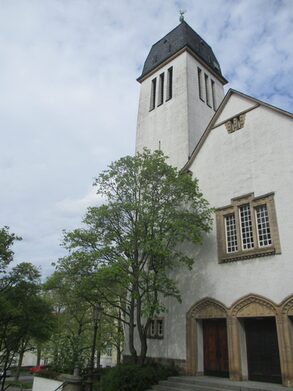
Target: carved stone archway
[
  {"x": 287, "y": 306},
  {"x": 252, "y": 306},
  {"x": 286, "y": 337},
  {"x": 206, "y": 308}
]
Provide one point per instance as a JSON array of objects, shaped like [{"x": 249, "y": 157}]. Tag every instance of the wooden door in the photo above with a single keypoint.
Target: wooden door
[
  {"x": 215, "y": 347},
  {"x": 263, "y": 358}
]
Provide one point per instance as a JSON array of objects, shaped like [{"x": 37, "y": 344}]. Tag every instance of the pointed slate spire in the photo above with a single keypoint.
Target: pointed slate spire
[{"x": 181, "y": 37}]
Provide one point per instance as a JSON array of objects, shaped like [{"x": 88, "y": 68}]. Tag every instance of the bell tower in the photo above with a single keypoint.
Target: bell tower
[{"x": 181, "y": 88}]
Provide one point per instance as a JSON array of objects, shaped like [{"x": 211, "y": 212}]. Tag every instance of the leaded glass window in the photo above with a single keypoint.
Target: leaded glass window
[
  {"x": 263, "y": 226},
  {"x": 246, "y": 227},
  {"x": 231, "y": 234}
]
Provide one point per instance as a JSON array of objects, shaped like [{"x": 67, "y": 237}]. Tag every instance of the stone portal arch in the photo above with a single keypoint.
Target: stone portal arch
[
  {"x": 286, "y": 328},
  {"x": 287, "y": 306},
  {"x": 253, "y": 305},
  {"x": 207, "y": 308},
  {"x": 258, "y": 307}
]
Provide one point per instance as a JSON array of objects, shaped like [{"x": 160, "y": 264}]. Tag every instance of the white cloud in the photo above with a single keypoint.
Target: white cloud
[{"x": 73, "y": 206}]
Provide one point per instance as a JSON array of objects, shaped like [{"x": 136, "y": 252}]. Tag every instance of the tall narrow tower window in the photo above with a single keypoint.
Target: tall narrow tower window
[
  {"x": 208, "y": 98},
  {"x": 153, "y": 94},
  {"x": 199, "y": 76},
  {"x": 213, "y": 95},
  {"x": 161, "y": 89},
  {"x": 169, "y": 83}
]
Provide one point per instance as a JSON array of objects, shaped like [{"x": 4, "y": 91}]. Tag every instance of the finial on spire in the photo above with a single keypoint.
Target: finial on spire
[{"x": 181, "y": 18}]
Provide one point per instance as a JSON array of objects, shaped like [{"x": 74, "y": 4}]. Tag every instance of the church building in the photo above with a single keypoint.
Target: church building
[{"x": 236, "y": 315}]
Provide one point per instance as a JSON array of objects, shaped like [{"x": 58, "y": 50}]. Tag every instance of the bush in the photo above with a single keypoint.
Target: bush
[
  {"x": 130, "y": 377},
  {"x": 47, "y": 373}
]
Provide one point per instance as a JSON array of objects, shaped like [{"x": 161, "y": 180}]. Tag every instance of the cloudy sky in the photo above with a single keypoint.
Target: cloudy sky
[{"x": 69, "y": 96}]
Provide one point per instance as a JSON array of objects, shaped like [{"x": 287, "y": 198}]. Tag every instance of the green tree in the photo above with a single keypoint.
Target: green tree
[
  {"x": 131, "y": 243},
  {"x": 26, "y": 318},
  {"x": 7, "y": 240},
  {"x": 70, "y": 344}
]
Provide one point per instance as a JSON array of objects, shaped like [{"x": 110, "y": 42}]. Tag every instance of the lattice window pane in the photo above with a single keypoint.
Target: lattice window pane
[
  {"x": 153, "y": 328},
  {"x": 246, "y": 227},
  {"x": 263, "y": 226},
  {"x": 160, "y": 327},
  {"x": 231, "y": 236}
]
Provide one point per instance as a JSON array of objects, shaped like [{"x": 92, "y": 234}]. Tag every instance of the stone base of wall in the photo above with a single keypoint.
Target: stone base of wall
[{"x": 173, "y": 362}]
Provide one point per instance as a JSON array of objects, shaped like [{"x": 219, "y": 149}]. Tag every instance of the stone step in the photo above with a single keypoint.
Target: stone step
[
  {"x": 207, "y": 383},
  {"x": 198, "y": 385},
  {"x": 176, "y": 386}
]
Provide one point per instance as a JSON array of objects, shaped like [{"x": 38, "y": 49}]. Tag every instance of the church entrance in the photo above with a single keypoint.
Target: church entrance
[
  {"x": 263, "y": 360},
  {"x": 215, "y": 347}
]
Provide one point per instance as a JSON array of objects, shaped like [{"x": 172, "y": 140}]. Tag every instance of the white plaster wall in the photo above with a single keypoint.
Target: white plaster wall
[
  {"x": 42, "y": 384},
  {"x": 199, "y": 113},
  {"x": 166, "y": 123},
  {"x": 259, "y": 159},
  {"x": 237, "y": 104},
  {"x": 30, "y": 359}
]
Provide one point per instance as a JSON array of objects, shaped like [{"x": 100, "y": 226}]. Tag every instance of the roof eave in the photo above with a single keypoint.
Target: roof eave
[{"x": 187, "y": 48}]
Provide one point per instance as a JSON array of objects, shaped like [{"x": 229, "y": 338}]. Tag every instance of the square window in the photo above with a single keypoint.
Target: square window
[
  {"x": 247, "y": 228},
  {"x": 156, "y": 328}
]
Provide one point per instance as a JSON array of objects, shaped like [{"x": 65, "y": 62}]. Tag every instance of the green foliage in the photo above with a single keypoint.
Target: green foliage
[
  {"x": 48, "y": 373},
  {"x": 72, "y": 340},
  {"x": 26, "y": 318},
  {"x": 25, "y": 315},
  {"x": 130, "y": 377},
  {"x": 7, "y": 240},
  {"x": 129, "y": 246},
  {"x": 28, "y": 385}
]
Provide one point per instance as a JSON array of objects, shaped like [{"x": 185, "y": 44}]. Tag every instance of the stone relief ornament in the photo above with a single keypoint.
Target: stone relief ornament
[{"x": 235, "y": 123}]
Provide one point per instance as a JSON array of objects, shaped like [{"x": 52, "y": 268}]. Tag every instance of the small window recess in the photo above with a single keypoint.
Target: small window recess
[
  {"x": 207, "y": 90},
  {"x": 213, "y": 95},
  {"x": 153, "y": 94},
  {"x": 161, "y": 89},
  {"x": 169, "y": 84},
  {"x": 199, "y": 80}
]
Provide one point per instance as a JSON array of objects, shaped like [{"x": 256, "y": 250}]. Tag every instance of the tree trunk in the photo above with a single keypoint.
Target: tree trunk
[
  {"x": 131, "y": 333},
  {"x": 119, "y": 332},
  {"x": 39, "y": 353},
  {"x": 76, "y": 356},
  {"x": 142, "y": 332},
  {"x": 118, "y": 355},
  {"x": 6, "y": 363},
  {"x": 19, "y": 364},
  {"x": 98, "y": 354}
]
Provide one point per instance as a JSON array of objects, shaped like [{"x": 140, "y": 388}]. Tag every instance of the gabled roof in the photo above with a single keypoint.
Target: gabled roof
[
  {"x": 217, "y": 114},
  {"x": 182, "y": 36}
]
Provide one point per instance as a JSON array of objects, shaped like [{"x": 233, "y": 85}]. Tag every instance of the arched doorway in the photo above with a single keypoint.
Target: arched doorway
[
  {"x": 259, "y": 345},
  {"x": 254, "y": 323},
  {"x": 207, "y": 341},
  {"x": 286, "y": 328}
]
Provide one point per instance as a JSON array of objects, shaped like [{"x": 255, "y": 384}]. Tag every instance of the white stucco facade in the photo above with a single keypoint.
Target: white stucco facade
[
  {"x": 242, "y": 150},
  {"x": 176, "y": 126},
  {"x": 255, "y": 159}
]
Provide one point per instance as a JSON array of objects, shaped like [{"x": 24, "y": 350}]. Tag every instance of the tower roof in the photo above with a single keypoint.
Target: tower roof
[{"x": 182, "y": 36}]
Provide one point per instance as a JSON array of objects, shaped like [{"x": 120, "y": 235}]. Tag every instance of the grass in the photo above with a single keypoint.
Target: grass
[{"x": 28, "y": 385}]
